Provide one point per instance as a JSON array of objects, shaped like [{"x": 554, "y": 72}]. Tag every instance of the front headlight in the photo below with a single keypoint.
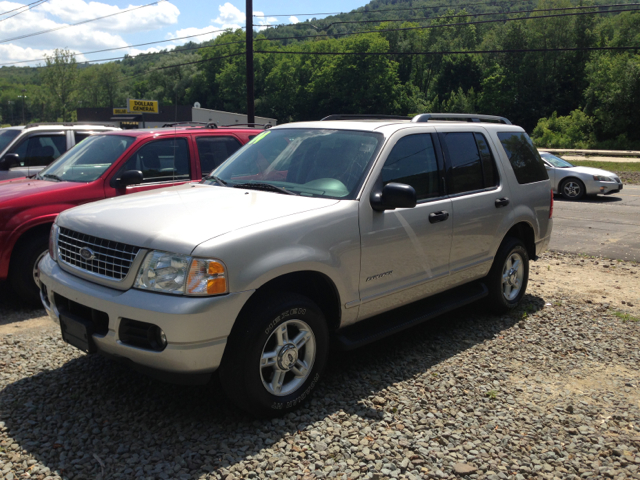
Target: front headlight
[
  {"x": 602, "y": 178},
  {"x": 181, "y": 275},
  {"x": 53, "y": 241}
]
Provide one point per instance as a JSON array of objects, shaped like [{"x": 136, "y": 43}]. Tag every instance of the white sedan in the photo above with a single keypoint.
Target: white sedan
[{"x": 573, "y": 182}]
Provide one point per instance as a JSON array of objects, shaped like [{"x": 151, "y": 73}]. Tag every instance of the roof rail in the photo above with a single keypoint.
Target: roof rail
[
  {"x": 358, "y": 116},
  {"x": 461, "y": 117},
  {"x": 260, "y": 125},
  {"x": 69, "y": 124},
  {"x": 191, "y": 124}
]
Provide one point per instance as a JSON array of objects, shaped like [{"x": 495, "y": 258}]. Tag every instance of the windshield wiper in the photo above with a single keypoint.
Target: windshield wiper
[
  {"x": 266, "y": 187},
  {"x": 217, "y": 179},
  {"x": 52, "y": 176}
]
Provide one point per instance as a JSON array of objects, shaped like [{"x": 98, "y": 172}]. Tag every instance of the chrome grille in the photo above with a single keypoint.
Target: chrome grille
[{"x": 111, "y": 259}]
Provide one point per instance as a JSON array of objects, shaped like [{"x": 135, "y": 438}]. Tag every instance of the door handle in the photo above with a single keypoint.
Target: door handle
[
  {"x": 502, "y": 202},
  {"x": 436, "y": 217}
]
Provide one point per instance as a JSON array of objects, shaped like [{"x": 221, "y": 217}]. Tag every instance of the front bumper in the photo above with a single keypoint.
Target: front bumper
[
  {"x": 596, "y": 187},
  {"x": 196, "y": 328}
]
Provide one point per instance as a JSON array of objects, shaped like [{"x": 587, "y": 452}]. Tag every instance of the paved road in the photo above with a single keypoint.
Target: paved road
[{"x": 606, "y": 225}]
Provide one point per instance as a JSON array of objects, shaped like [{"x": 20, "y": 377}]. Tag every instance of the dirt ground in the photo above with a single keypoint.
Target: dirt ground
[{"x": 611, "y": 283}]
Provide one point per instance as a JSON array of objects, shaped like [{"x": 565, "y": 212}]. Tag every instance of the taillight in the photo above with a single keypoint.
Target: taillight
[{"x": 551, "y": 205}]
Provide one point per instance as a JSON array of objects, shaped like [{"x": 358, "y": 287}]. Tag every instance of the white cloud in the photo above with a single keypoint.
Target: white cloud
[
  {"x": 230, "y": 17},
  {"x": 260, "y": 19},
  {"x": 294, "y": 20},
  {"x": 203, "y": 34},
  {"x": 142, "y": 19}
]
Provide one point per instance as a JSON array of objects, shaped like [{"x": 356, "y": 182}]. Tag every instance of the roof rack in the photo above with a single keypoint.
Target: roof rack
[
  {"x": 461, "y": 117},
  {"x": 69, "y": 124},
  {"x": 340, "y": 116}
]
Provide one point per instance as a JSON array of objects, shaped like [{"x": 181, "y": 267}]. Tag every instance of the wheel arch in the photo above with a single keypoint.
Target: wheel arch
[
  {"x": 314, "y": 285},
  {"x": 15, "y": 241},
  {"x": 525, "y": 232}
]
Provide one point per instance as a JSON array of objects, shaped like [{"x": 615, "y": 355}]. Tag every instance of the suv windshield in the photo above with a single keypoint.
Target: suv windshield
[
  {"x": 6, "y": 137},
  {"x": 87, "y": 160},
  {"x": 308, "y": 162},
  {"x": 556, "y": 161}
]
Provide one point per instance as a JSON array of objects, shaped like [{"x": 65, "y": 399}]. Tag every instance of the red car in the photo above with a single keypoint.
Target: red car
[{"x": 101, "y": 166}]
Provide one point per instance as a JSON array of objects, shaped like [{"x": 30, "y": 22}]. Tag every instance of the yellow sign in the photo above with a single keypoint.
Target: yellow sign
[
  {"x": 142, "y": 106},
  {"x": 120, "y": 111}
]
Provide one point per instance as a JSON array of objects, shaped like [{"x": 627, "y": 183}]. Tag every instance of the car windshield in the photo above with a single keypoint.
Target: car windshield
[
  {"x": 308, "y": 162},
  {"x": 555, "y": 161},
  {"x": 7, "y": 136},
  {"x": 88, "y": 160}
]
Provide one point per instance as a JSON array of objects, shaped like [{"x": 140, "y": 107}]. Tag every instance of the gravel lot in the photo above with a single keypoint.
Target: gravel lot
[{"x": 549, "y": 391}]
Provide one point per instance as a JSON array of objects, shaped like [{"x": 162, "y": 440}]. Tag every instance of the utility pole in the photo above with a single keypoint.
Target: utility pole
[
  {"x": 249, "y": 32},
  {"x": 23, "y": 97}
]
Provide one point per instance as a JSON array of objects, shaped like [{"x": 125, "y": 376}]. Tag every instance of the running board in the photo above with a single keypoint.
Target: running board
[{"x": 394, "y": 321}]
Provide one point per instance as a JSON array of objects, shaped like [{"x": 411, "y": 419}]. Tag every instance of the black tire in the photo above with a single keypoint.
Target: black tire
[
  {"x": 572, "y": 189},
  {"x": 242, "y": 374},
  {"x": 21, "y": 270},
  {"x": 498, "y": 301}
]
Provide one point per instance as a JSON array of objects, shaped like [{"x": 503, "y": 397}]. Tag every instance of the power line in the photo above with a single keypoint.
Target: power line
[
  {"x": 390, "y": 9},
  {"x": 459, "y": 52},
  {"x": 459, "y": 16},
  {"x": 181, "y": 65},
  {"x": 138, "y": 45},
  {"x": 20, "y": 7},
  {"x": 80, "y": 23},
  {"x": 38, "y": 3},
  {"x": 504, "y": 20}
]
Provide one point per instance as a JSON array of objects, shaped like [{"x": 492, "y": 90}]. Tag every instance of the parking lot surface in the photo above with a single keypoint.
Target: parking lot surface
[
  {"x": 549, "y": 391},
  {"x": 603, "y": 225}
]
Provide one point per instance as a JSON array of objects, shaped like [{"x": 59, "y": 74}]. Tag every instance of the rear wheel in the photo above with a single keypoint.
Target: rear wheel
[
  {"x": 509, "y": 275},
  {"x": 24, "y": 273},
  {"x": 572, "y": 189},
  {"x": 275, "y": 355}
]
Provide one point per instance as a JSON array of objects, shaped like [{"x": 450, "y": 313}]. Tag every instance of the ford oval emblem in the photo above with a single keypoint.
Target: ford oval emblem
[{"x": 87, "y": 254}]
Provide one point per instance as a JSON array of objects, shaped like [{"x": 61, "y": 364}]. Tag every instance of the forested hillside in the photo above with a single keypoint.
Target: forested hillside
[{"x": 563, "y": 73}]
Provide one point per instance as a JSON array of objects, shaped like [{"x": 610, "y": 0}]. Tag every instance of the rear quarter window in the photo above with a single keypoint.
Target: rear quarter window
[{"x": 523, "y": 156}]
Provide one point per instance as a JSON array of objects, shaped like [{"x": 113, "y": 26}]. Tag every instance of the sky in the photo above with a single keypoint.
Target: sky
[{"x": 168, "y": 21}]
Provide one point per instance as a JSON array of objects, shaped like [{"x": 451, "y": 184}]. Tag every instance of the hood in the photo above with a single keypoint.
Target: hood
[
  {"x": 24, "y": 187},
  {"x": 591, "y": 171},
  {"x": 180, "y": 218}
]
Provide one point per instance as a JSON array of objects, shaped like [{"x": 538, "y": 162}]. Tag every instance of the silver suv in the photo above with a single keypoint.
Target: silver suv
[
  {"x": 331, "y": 232},
  {"x": 25, "y": 150}
]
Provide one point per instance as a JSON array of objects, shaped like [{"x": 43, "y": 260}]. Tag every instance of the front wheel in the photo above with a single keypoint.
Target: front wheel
[
  {"x": 275, "y": 355},
  {"x": 24, "y": 273},
  {"x": 572, "y": 189},
  {"x": 509, "y": 275}
]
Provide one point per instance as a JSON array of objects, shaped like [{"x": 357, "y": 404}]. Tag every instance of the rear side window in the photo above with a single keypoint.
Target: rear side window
[
  {"x": 525, "y": 160},
  {"x": 80, "y": 136},
  {"x": 215, "y": 150},
  {"x": 489, "y": 169},
  {"x": 413, "y": 162}
]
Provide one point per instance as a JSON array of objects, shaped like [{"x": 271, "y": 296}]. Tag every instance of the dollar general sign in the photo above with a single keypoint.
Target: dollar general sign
[{"x": 142, "y": 106}]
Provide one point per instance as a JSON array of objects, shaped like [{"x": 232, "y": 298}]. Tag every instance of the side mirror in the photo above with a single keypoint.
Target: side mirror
[
  {"x": 130, "y": 177},
  {"x": 392, "y": 196},
  {"x": 10, "y": 160}
]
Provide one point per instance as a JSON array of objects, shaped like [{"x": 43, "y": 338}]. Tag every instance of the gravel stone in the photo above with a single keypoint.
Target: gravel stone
[{"x": 549, "y": 391}]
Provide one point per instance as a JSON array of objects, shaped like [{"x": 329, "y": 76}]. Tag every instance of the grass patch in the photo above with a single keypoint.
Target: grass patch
[
  {"x": 611, "y": 166},
  {"x": 492, "y": 394},
  {"x": 626, "y": 317}
]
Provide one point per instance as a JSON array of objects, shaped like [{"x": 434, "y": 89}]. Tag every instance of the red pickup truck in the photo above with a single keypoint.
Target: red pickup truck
[{"x": 101, "y": 166}]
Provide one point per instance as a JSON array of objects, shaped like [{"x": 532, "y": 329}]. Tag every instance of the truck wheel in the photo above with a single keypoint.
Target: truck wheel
[
  {"x": 509, "y": 275},
  {"x": 572, "y": 189},
  {"x": 275, "y": 355},
  {"x": 24, "y": 273}
]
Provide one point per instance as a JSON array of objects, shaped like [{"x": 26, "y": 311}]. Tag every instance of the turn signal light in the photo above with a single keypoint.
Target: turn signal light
[{"x": 206, "y": 277}]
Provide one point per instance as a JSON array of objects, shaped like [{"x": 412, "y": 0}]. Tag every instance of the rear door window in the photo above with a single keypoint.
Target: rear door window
[
  {"x": 466, "y": 165},
  {"x": 80, "y": 136},
  {"x": 162, "y": 160},
  {"x": 215, "y": 150},
  {"x": 413, "y": 162},
  {"x": 525, "y": 160},
  {"x": 41, "y": 150}
]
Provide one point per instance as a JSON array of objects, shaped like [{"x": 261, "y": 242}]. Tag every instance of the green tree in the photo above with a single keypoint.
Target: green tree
[{"x": 60, "y": 76}]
